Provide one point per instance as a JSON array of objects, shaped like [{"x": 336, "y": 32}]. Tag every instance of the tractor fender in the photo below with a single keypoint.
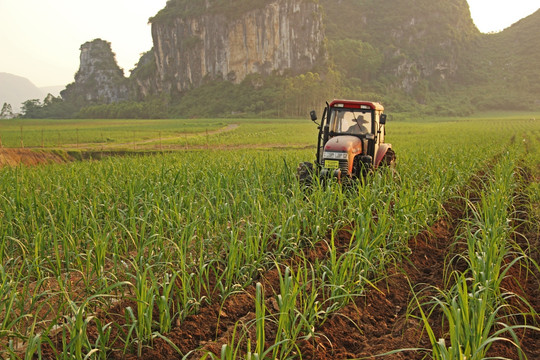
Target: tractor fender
[{"x": 383, "y": 149}]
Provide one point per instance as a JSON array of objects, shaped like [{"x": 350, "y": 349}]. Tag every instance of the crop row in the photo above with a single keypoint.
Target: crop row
[{"x": 477, "y": 308}]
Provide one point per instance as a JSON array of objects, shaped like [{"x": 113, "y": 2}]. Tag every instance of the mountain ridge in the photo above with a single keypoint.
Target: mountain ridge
[
  {"x": 420, "y": 56},
  {"x": 15, "y": 89}
]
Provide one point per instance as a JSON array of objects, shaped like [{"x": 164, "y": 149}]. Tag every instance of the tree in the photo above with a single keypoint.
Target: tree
[
  {"x": 51, "y": 99},
  {"x": 7, "y": 112},
  {"x": 31, "y": 109}
]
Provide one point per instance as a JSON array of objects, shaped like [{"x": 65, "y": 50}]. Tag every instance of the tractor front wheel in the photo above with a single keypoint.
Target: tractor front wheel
[
  {"x": 304, "y": 173},
  {"x": 389, "y": 159}
]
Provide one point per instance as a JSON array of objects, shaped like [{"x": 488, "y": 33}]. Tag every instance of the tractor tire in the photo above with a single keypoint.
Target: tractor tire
[
  {"x": 389, "y": 159},
  {"x": 304, "y": 173},
  {"x": 361, "y": 167}
]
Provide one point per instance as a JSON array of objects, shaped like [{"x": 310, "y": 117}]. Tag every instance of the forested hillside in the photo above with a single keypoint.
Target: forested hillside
[
  {"x": 406, "y": 53},
  {"x": 504, "y": 70}
]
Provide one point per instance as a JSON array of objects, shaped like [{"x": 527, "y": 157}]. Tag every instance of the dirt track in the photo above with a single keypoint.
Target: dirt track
[
  {"x": 148, "y": 144},
  {"x": 28, "y": 157}
]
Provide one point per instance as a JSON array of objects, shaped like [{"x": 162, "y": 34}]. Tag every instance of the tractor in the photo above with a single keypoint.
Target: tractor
[{"x": 350, "y": 143}]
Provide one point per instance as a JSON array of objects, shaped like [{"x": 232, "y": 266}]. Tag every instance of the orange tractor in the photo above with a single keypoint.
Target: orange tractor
[{"x": 350, "y": 142}]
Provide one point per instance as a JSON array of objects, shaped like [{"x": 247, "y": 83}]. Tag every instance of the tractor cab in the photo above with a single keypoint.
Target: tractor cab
[{"x": 351, "y": 140}]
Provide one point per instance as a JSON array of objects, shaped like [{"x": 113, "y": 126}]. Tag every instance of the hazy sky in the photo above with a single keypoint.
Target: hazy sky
[{"x": 40, "y": 39}]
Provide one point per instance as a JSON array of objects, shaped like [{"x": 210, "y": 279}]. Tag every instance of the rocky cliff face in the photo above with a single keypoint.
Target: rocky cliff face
[
  {"x": 418, "y": 50},
  {"x": 99, "y": 79},
  {"x": 144, "y": 77},
  {"x": 284, "y": 35}
]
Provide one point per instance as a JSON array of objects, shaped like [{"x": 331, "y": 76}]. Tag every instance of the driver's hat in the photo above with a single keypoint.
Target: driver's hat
[{"x": 362, "y": 119}]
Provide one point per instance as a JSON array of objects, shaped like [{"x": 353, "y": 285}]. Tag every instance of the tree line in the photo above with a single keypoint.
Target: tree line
[{"x": 257, "y": 95}]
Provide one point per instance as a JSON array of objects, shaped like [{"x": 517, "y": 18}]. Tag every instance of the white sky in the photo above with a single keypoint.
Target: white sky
[
  {"x": 497, "y": 15},
  {"x": 40, "y": 39}
]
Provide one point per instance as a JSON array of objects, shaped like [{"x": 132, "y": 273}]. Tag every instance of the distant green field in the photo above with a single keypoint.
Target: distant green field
[
  {"x": 151, "y": 134},
  {"x": 70, "y": 133},
  {"x": 183, "y": 133}
]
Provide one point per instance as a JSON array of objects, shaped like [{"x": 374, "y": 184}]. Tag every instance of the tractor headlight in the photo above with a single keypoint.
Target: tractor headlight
[{"x": 335, "y": 155}]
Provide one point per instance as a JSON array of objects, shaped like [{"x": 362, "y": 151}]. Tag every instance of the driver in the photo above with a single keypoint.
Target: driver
[{"x": 360, "y": 126}]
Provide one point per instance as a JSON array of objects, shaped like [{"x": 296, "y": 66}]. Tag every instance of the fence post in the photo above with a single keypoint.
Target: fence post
[{"x": 22, "y": 143}]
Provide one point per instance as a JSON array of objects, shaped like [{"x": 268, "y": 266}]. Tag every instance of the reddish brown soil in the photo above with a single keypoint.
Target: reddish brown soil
[{"x": 14, "y": 157}]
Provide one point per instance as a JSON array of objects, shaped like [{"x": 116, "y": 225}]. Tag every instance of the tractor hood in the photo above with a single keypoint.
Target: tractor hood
[{"x": 345, "y": 143}]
